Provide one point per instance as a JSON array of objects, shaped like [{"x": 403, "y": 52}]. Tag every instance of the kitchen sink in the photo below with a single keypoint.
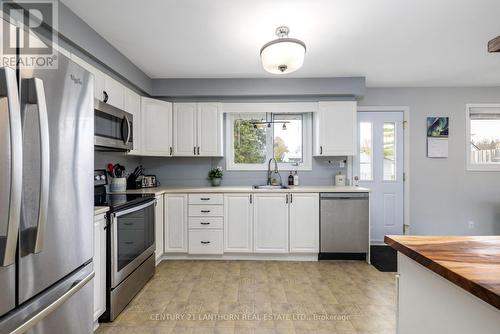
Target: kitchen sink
[{"x": 269, "y": 187}]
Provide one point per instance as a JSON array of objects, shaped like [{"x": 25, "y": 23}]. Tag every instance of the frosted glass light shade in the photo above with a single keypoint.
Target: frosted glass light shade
[{"x": 283, "y": 55}]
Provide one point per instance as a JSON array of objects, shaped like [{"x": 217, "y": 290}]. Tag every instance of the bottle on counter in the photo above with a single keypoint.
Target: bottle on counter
[
  {"x": 296, "y": 179},
  {"x": 290, "y": 179}
]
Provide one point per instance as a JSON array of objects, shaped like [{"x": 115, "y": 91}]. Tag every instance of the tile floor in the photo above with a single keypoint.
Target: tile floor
[{"x": 236, "y": 297}]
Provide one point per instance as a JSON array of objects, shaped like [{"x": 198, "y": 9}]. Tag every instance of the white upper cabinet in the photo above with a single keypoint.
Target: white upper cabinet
[
  {"x": 133, "y": 106},
  {"x": 304, "y": 223},
  {"x": 185, "y": 129},
  {"x": 238, "y": 221},
  {"x": 114, "y": 92},
  {"x": 98, "y": 76},
  {"x": 209, "y": 130},
  {"x": 197, "y": 130},
  {"x": 156, "y": 127},
  {"x": 270, "y": 212},
  {"x": 335, "y": 128}
]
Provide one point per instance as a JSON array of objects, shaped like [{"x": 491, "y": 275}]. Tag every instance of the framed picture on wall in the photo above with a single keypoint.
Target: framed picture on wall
[{"x": 437, "y": 137}]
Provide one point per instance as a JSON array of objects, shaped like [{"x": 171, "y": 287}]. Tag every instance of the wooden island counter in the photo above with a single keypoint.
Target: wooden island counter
[{"x": 448, "y": 284}]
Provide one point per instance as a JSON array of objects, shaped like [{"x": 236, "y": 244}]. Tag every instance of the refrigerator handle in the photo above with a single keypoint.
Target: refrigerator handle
[
  {"x": 36, "y": 95},
  {"x": 8, "y": 89}
]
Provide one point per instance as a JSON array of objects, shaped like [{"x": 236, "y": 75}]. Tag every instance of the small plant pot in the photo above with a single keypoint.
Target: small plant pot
[{"x": 216, "y": 182}]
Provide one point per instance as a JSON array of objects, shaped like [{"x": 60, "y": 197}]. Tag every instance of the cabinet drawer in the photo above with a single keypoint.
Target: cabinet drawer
[
  {"x": 206, "y": 199},
  {"x": 206, "y": 222},
  {"x": 206, "y": 210},
  {"x": 205, "y": 242}
]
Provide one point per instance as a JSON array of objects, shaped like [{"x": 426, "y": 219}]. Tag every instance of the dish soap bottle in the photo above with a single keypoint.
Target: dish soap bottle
[
  {"x": 290, "y": 179},
  {"x": 296, "y": 179}
]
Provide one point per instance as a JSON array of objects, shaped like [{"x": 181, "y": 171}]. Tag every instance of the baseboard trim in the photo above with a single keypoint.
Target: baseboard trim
[{"x": 243, "y": 257}]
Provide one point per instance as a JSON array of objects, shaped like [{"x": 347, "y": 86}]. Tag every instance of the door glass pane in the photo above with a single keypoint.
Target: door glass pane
[
  {"x": 250, "y": 140},
  {"x": 288, "y": 138},
  {"x": 365, "y": 151},
  {"x": 389, "y": 151}
]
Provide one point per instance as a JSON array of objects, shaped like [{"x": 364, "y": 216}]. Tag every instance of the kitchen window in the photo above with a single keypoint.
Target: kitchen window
[
  {"x": 254, "y": 138},
  {"x": 483, "y": 137}
]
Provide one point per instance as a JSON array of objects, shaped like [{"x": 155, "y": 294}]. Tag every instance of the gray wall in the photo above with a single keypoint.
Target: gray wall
[
  {"x": 444, "y": 197},
  {"x": 193, "y": 172}
]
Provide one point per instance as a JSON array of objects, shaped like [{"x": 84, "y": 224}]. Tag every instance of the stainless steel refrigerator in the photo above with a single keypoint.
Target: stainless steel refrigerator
[{"x": 46, "y": 198}]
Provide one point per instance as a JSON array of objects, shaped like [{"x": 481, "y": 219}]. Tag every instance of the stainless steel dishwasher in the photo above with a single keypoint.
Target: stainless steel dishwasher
[{"x": 344, "y": 226}]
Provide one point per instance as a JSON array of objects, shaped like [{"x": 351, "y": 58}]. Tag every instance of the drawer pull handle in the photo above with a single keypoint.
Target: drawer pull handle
[
  {"x": 204, "y": 223},
  {"x": 205, "y": 198},
  {"x": 128, "y": 242},
  {"x": 205, "y": 211},
  {"x": 128, "y": 224},
  {"x": 205, "y": 242}
]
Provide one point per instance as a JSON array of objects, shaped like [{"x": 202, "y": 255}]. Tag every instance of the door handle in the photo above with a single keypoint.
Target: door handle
[
  {"x": 194, "y": 150},
  {"x": 198, "y": 150},
  {"x": 105, "y": 96},
  {"x": 321, "y": 150},
  {"x": 286, "y": 199},
  {"x": 36, "y": 95},
  {"x": 8, "y": 89},
  {"x": 171, "y": 149},
  {"x": 126, "y": 138}
]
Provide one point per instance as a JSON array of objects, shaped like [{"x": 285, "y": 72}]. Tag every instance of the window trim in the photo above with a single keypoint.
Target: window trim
[
  {"x": 481, "y": 108},
  {"x": 306, "y": 145}
]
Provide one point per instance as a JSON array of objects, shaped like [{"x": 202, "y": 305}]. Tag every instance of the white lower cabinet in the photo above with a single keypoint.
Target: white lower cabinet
[
  {"x": 238, "y": 221},
  {"x": 159, "y": 223},
  {"x": 99, "y": 262},
  {"x": 304, "y": 223},
  {"x": 270, "y": 215},
  {"x": 176, "y": 220},
  {"x": 206, "y": 224}
]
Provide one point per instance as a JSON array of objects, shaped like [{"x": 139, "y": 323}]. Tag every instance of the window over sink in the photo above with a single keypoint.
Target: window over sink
[{"x": 254, "y": 138}]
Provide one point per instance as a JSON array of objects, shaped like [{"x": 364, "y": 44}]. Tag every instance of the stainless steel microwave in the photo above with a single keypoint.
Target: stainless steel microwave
[{"x": 112, "y": 128}]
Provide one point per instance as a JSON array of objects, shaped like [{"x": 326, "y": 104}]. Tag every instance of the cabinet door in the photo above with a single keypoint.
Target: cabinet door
[
  {"x": 133, "y": 106},
  {"x": 98, "y": 76},
  {"x": 156, "y": 127},
  {"x": 238, "y": 219},
  {"x": 114, "y": 91},
  {"x": 209, "y": 130},
  {"x": 99, "y": 262},
  {"x": 304, "y": 223},
  {"x": 159, "y": 223},
  {"x": 270, "y": 212},
  {"x": 175, "y": 215},
  {"x": 336, "y": 128},
  {"x": 185, "y": 129}
]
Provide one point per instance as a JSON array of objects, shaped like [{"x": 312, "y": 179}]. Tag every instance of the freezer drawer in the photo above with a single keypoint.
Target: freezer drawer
[
  {"x": 65, "y": 307},
  {"x": 344, "y": 223}
]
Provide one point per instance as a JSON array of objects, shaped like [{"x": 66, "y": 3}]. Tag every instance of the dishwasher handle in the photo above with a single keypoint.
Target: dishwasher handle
[{"x": 343, "y": 195}]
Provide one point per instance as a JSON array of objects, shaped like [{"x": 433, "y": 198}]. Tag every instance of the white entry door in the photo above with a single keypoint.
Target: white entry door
[{"x": 379, "y": 165}]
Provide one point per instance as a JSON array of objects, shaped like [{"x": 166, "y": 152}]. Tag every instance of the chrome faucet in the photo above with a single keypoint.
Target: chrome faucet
[{"x": 270, "y": 179}]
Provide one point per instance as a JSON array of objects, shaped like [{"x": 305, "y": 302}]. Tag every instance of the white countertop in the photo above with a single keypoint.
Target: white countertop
[
  {"x": 100, "y": 210},
  {"x": 248, "y": 189}
]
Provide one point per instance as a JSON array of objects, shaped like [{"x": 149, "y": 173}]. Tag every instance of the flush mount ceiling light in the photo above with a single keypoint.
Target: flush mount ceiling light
[{"x": 283, "y": 55}]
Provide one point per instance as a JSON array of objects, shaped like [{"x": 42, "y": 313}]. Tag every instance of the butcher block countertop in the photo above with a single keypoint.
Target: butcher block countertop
[{"x": 472, "y": 263}]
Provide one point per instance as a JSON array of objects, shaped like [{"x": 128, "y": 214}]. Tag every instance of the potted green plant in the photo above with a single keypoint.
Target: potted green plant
[{"x": 215, "y": 176}]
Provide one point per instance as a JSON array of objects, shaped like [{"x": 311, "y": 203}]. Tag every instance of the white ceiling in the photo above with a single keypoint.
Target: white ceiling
[{"x": 391, "y": 42}]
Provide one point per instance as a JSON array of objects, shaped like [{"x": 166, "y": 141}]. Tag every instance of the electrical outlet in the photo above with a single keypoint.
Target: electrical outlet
[{"x": 471, "y": 224}]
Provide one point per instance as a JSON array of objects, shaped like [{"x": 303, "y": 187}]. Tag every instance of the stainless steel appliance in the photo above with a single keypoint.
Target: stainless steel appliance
[
  {"x": 113, "y": 128},
  {"x": 344, "y": 226},
  {"x": 130, "y": 244},
  {"x": 46, "y": 211}
]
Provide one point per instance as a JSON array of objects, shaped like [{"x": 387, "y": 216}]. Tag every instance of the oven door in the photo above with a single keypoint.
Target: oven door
[
  {"x": 112, "y": 127},
  {"x": 132, "y": 239}
]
